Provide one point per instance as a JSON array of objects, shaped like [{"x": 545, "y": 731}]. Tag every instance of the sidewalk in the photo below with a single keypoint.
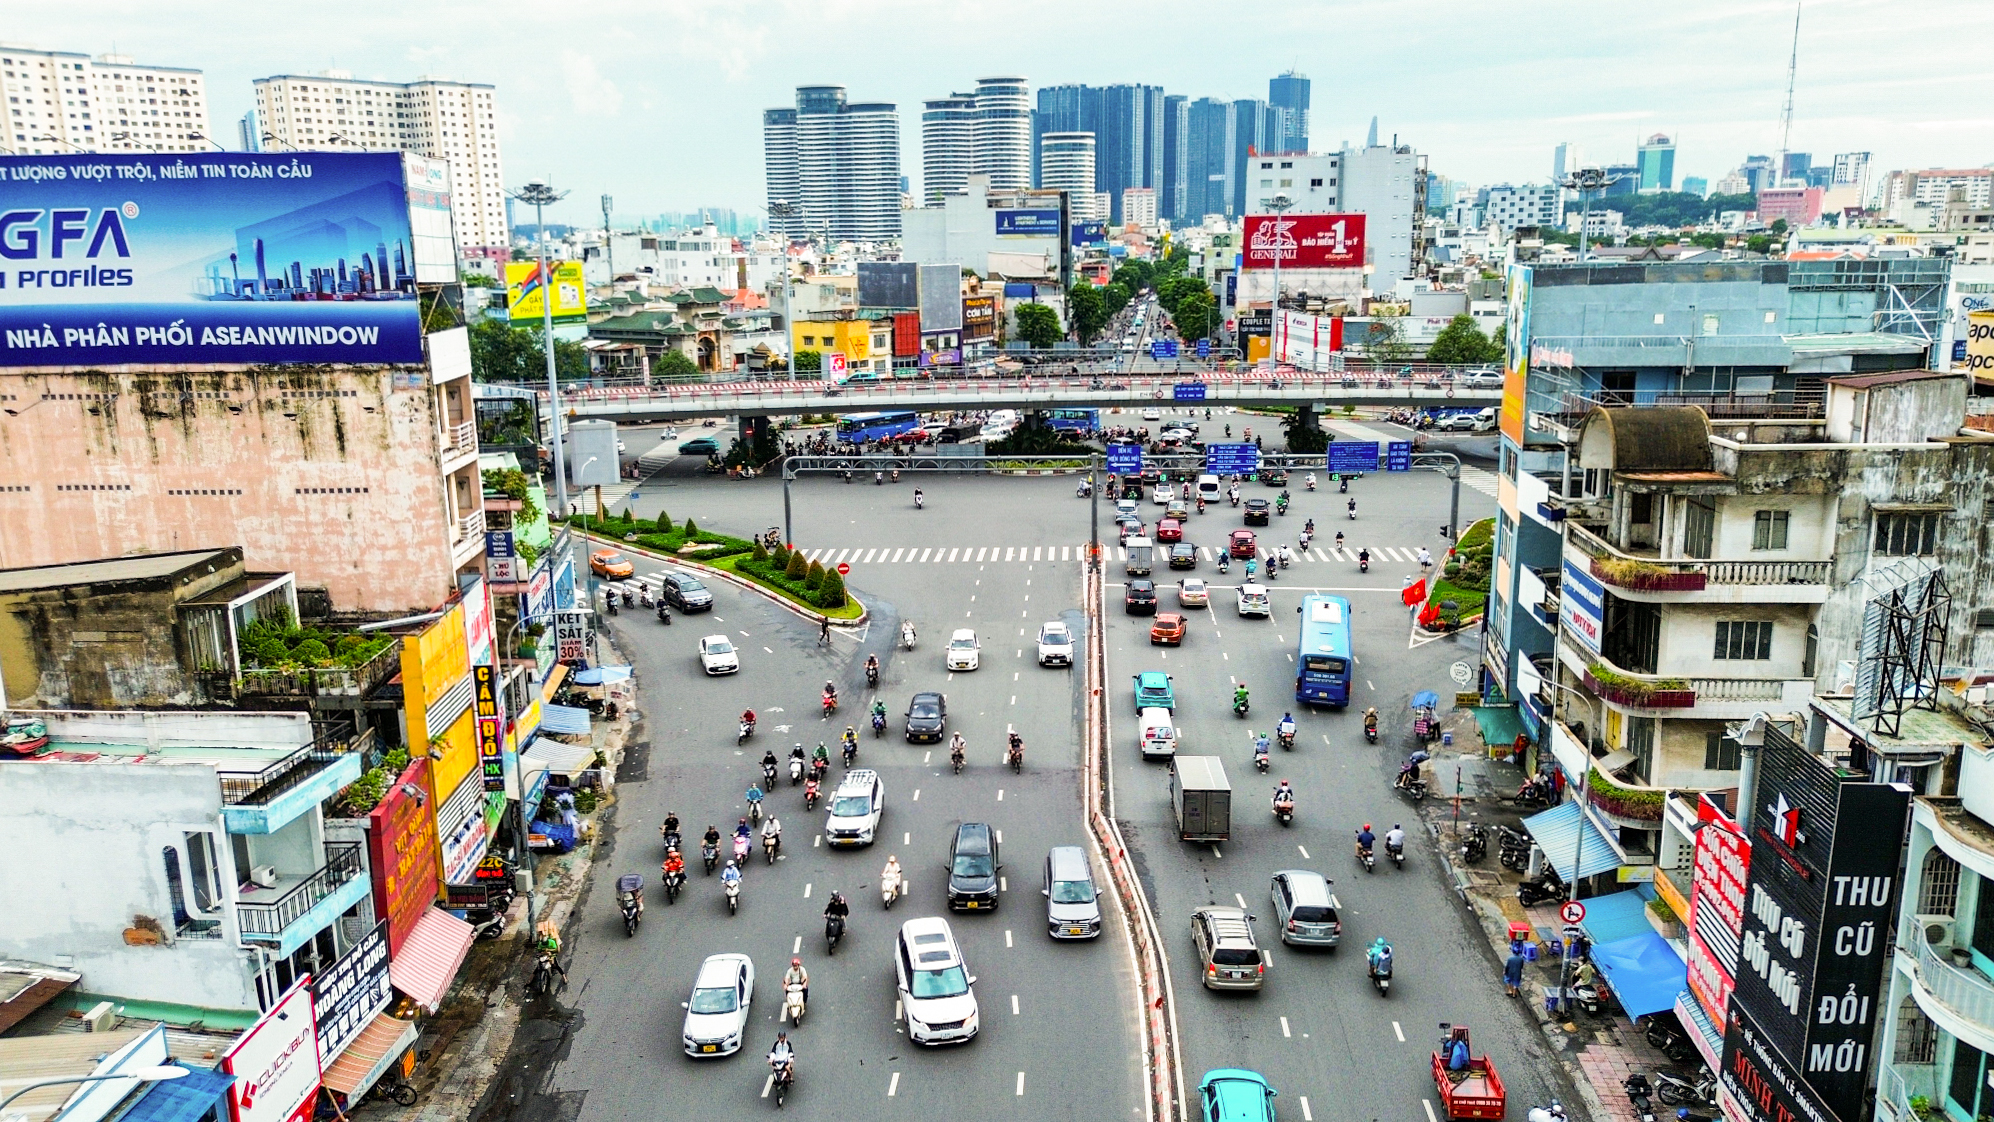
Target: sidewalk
[{"x": 1600, "y": 1052}]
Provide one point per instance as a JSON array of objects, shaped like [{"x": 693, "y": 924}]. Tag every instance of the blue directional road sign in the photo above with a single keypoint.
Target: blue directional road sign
[
  {"x": 1187, "y": 391},
  {"x": 1232, "y": 459},
  {"x": 1125, "y": 459},
  {"x": 1347, "y": 456},
  {"x": 1163, "y": 348},
  {"x": 1204, "y": 348},
  {"x": 1398, "y": 455}
]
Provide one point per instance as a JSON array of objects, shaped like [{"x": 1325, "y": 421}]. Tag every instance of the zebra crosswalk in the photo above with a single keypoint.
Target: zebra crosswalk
[
  {"x": 1480, "y": 479},
  {"x": 998, "y": 554}
]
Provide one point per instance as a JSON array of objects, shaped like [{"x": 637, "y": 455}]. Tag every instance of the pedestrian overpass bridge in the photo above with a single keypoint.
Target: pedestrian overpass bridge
[{"x": 632, "y": 404}]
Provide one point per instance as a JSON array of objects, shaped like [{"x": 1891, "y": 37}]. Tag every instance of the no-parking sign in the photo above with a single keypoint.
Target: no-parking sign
[
  {"x": 844, "y": 568},
  {"x": 1572, "y": 912}
]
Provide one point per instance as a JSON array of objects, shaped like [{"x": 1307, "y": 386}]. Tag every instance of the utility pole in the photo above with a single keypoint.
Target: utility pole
[
  {"x": 609, "y": 238},
  {"x": 537, "y": 195},
  {"x": 785, "y": 210},
  {"x": 1279, "y": 204},
  {"x": 1786, "y": 112}
]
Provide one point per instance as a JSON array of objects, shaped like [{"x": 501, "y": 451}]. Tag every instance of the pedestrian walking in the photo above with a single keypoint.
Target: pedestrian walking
[
  {"x": 1512, "y": 971},
  {"x": 824, "y": 636}
]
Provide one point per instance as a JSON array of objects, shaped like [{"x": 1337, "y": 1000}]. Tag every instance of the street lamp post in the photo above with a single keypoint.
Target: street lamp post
[
  {"x": 143, "y": 1075},
  {"x": 1279, "y": 204},
  {"x": 1586, "y": 181},
  {"x": 538, "y": 195},
  {"x": 785, "y": 210}
]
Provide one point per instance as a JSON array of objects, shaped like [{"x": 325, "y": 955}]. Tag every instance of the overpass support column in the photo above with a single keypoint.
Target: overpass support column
[
  {"x": 1308, "y": 437},
  {"x": 758, "y": 437}
]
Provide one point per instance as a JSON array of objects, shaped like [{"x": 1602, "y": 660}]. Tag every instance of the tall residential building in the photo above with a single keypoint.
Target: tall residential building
[
  {"x": 1506, "y": 206},
  {"x": 1289, "y": 95},
  {"x": 1139, "y": 207},
  {"x": 836, "y": 164},
  {"x": 1794, "y": 165},
  {"x": 1003, "y": 137},
  {"x": 1066, "y": 163},
  {"x": 1696, "y": 185},
  {"x": 1564, "y": 160},
  {"x": 1851, "y": 170},
  {"x": 1253, "y": 130},
  {"x": 1935, "y": 185},
  {"x": 1386, "y": 183},
  {"x": 1127, "y": 123},
  {"x": 1176, "y": 156},
  {"x": 452, "y": 121},
  {"x": 948, "y": 145},
  {"x": 64, "y": 101},
  {"x": 1657, "y": 161},
  {"x": 1208, "y": 167}
]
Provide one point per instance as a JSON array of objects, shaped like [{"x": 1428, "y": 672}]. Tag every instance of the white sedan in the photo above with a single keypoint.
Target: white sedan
[
  {"x": 1192, "y": 593},
  {"x": 718, "y": 656},
  {"x": 1055, "y": 645},
  {"x": 716, "y": 1017},
  {"x": 964, "y": 650}
]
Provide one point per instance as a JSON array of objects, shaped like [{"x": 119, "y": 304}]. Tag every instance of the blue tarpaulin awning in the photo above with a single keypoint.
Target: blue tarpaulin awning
[
  {"x": 1557, "y": 834},
  {"x": 1621, "y": 915},
  {"x": 1644, "y": 972},
  {"x": 186, "y": 1099},
  {"x": 564, "y": 719},
  {"x": 602, "y": 675}
]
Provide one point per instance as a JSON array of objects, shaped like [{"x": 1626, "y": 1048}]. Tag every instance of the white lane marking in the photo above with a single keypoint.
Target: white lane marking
[
  {"x": 1284, "y": 1029},
  {"x": 1016, "y": 673},
  {"x": 1306, "y": 1116},
  {"x": 1000, "y": 837},
  {"x": 925, "y": 553},
  {"x": 745, "y": 635},
  {"x": 1368, "y": 685},
  {"x": 953, "y": 552},
  {"x": 1021, "y": 1082},
  {"x": 1305, "y": 852},
  {"x": 907, "y": 838},
  {"x": 1399, "y": 1032},
  {"x": 1428, "y": 1104},
  {"x": 1216, "y": 853},
  {"x": 1225, "y": 656},
  {"x": 1009, "y": 552},
  {"x": 798, "y": 948},
  {"x": 897, "y": 1013},
  {"x": 806, "y": 892},
  {"x": 1003, "y": 884},
  {"x": 926, "y": 756},
  {"x": 1241, "y": 899},
  {"x": 979, "y": 557},
  {"x": 896, "y": 556},
  {"x": 972, "y": 598},
  {"x": 917, "y": 795},
  {"x": 1014, "y": 1005},
  {"x": 1007, "y": 936},
  {"x": 893, "y": 1085},
  {"x": 768, "y": 1083},
  {"x": 1000, "y": 794},
  {"x": 767, "y": 650}
]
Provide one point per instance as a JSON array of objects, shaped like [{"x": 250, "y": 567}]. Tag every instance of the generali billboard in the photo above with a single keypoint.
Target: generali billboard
[{"x": 1304, "y": 241}]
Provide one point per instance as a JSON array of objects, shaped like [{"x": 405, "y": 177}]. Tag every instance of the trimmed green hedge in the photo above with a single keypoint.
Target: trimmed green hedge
[
  {"x": 831, "y": 599},
  {"x": 648, "y": 536}
]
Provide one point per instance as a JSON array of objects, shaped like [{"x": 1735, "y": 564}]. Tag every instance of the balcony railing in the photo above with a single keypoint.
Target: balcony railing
[
  {"x": 1640, "y": 691},
  {"x": 322, "y": 681},
  {"x": 1898, "y": 1082},
  {"x": 1962, "y": 989},
  {"x": 269, "y": 918},
  {"x": 287, "y": 774},
  {"x": 471, "y": 525},
  {"x": 1738, "y": 689},
  {"x": 1768, "y": 572},
  {"x": 1650, "y": 574},
  {"x": 461, "y": 438}
]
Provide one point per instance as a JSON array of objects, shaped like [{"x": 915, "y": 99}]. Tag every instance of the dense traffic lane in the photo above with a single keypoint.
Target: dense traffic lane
[
  {"x": 1318, "y": 1029},
  {"x": 1046, "y": 1007}
]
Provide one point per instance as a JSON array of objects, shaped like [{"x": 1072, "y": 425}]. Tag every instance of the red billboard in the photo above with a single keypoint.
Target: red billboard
[
  {"x": 402, "y": 847},
  {"x": 1304, "y": 241},
  {"x": 1717, "y": 907}
]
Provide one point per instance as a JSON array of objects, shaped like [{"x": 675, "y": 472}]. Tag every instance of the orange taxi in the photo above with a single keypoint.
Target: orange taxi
[
  {"x": 611, "y": 564},
  {"x": 1168, "y": 628}
]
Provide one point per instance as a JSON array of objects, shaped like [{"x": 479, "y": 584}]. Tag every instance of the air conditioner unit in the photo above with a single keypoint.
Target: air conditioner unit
[
  {"x": 263, "y": 876},
  {"x": 1937, "y": 930},
  {"x": 102, "y": 1017}
]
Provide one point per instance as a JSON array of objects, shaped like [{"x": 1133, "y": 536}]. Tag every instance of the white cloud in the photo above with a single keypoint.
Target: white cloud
[{"x": 588, "y": 88}]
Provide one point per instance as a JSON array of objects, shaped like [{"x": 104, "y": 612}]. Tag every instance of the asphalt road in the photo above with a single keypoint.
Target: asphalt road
[{"x": 1058, "y": 1024}]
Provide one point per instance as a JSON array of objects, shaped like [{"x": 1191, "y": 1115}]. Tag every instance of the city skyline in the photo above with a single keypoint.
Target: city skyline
[{"x": 1711, "y": 79}]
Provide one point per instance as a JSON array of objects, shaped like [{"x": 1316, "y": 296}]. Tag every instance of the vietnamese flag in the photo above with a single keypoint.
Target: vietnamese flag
[{"x": 1414, "y": 592}]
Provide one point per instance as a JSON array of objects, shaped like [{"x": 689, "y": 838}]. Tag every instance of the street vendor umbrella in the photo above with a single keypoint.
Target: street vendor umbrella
[{"x": 1425, "y": 699}]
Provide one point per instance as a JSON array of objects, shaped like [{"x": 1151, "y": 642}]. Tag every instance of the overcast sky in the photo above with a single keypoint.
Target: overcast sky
[{"x": 659, "y": 101}]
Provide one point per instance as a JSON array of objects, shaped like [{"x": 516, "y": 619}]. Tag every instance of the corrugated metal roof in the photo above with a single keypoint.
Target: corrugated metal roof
[
  {"x": 1557, "y": 833},
  {"x": 29, "y": 1059}
]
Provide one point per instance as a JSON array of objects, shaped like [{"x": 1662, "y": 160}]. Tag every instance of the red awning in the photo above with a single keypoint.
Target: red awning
[
  {"x": 378, "y": 1045},
  {"x": 429, "y": 957}
]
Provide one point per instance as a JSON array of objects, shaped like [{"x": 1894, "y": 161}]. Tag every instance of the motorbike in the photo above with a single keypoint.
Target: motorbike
[
  {"x": 907, "y": 635},
  {"x": 768, "y": 777},
  {"x": 709, "y": 853},
  {"x": 627, "y": 887},
  {"x": 819, "y": 767},
  {"x": 1677, "y": 1091},
  {"x": 1381, "y": 980},
  {"x": 488, "y": 919},
  {"x": 1638, "y": 1092},
  {"x": 1668, "y": 1039},
  {"x": 795, "y": 770},
  {"x": 1240, "y": 706},
  {"x": 830, "y": 703},
  {"x": 770, "y": 843},
  {"x": 1287, "y": 739},
  {"x": 1396, "y": 853},
  {"x": 1363, "y": 564},
  {"x": 612, "y": 602},
  {"x": 747, "y": 730},
  {"x": 1015, "y": 756},
  {"x": 670, "y": 838},
  {"x": 889, "y": 891},
  {"x": 1590, "y": 999},
  {"x": 872, "y": 677},
  {"x": 1284, "y": 809},
  {"x": 1535, "y": 791},
  {"x": 1371, "y": 731},
  {"x": 630, "y": 598},
  {"x": 674, "y": 884},
  {"x": 733, "y": 896},
  {"x": 1225, "y": 565},
  {"x": 1367, "y": 858},
  {"x": 850, "y": 750},
  {"x": 664, "y": 614},
  {"x": 1410, "y": 782},
  {"x": 1475, "y": 845},
  {"x": 834, "y": 930},
  {"x": 1546, "y": 888},
  {"x": 782, "y": 1077},
  {"x": 1281, "y": 506},
  {"x": 878, "y": 725},
  {"x": 878, "y": 477},
  {"x": 1235, "y": 500},
  {"x": 1082, "y": 491},
  {"x": 919, "y": 502},
  {"x": 740, "y": 851},
  {"x": 1515, "y": 849},
  {"x": 1552, "y": 1113},
  {"x": 810, "y": 794},
  {"x": 1273, "y": 569},
  {"x": 644, "y": 596},
  {"x": 792, "y": 1003},
  {"x": 1311, "y": 482},
  {"x": 1260, "y": 760}
]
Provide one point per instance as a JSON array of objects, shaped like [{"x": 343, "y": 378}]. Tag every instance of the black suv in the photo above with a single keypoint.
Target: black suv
[
  {"x": 973, "y": 868},
  {"x": 927, "y": 717},
  {"x": 684, "y": 592},
  {"x": 1183, "y": 555},
  {"x": 1141, "y": 598},
  {"x": 1257, "y": 511}
]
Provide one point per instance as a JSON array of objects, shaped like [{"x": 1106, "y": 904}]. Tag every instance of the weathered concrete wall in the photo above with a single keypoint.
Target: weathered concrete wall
[
  {"x": 98, "y": 836},
  {"x": 331, "y": 473}
]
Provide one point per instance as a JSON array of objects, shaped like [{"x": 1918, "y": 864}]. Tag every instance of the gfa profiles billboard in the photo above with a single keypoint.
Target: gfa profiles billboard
[{"x": 219, "y": 258}]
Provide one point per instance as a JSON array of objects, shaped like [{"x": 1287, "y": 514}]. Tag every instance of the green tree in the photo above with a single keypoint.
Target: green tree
[
  {"x": 1038, "y": 325},
  {"x": 781, "y": 556},
  {"x": 797, "y": 566},
  {"x": 478, "y": 280},
  {"x": 1305, "y": 439},
  {"x": 664, "y": 522},
  {"x": 691, "y": 530},
  {"x": 831, "y": 594},
  {"x": 1461, "y": 342},
  {"x": 809, "y": 362},
  {"x": 1778, "y": 227},
  {"x": 1135, "y": 275},
  {"x": 1116, "y": 297},
  {"x": 1385, "y": 340},
  {"x": 1195, "y": 316},
  {"x": 673, "y": 366},
  {"x": 502, "y": 353},
  {"x": 813, "y": 576},
  {"x": 1087, "y": 311},
  {"x": 1707, "y": 241}
]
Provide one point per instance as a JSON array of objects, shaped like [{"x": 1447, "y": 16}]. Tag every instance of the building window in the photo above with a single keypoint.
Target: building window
[
  {"x": 1744, "y": 639},
  {"x": 1917, "y": 1036},
  {"x": 1720, "y": 752},
  {"x": 1938, "y": 887},
  {"x": 1699, "y": 526},
  {"x": 1315, "y": 182},
  {"x": 1769, "y": 529},
  {"x": 1906, "y": 535}
]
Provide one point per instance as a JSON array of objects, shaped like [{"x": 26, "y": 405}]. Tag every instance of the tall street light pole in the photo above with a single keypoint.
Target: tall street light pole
[
  {"x": 1279, "y": 204},
  {"x": 537, "y": 195},
  {"x": 1586, "y": 181},
  {"x": 785, "y": 210}
]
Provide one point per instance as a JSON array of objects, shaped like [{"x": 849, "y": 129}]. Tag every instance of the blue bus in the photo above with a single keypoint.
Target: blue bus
[
  {"x": 1074, "y": 420},
  {"x": 858, "y": 428},
  {"x": 1322, "y": 665}
]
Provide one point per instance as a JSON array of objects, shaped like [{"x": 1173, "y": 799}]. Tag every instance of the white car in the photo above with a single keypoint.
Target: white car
[
  {"x": 1125, "y": 508},
  {"x": 937, "y": 994},
  {"x": 1483, "y": 379},
  {"x": 856, "y": 806},
  {"x": 1192, "y": 593},
  {"x": 1055, "y": 645},
  {"x": 1163, "y": 494},
  {"x": 1177, "y": 433},
  {"x": 963, "y": 650},
  {"x": 1253, "y": 601},
  {"x": 1455, "y": 422},
  {"x": 716, "y": 1017},
  {"x": 1152, "y": 414},
  {"x": 718, "y": 656}
]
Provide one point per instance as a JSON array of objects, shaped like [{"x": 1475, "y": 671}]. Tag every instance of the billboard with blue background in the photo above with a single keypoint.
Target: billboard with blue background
[
  {"x": 223, "y": 257},
  {"x": 1089, "y": 233},
  {"x": 1028, "y": 223}
]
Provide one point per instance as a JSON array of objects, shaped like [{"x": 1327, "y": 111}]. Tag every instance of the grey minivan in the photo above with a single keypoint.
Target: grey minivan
[
  {"x": 1305, "y": 909},
  {"x": 1072, "y": 907}
]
